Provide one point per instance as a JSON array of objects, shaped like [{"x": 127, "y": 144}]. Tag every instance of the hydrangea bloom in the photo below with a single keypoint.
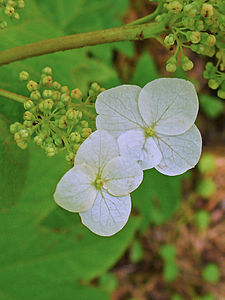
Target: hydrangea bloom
[
  {"x": 154, "y": 125},
  {"x": 99, "y": 184}
]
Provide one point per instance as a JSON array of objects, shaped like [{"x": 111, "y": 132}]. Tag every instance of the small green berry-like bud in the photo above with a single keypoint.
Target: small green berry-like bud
[
  {"x": 175, "y": 6},
  {"x": 57, "y": 140},
  {"x": 70, "y": 157},
  {"x": 75, "y": 137},
  {"x": 50, "y": 151},
  {"x": 28, "y": 105},
  {"x": 85, "y": 132},
  {"x": 28, "y": 116},
  {"x": 84, "y": 124},
  {"x": 56, "y": 95},
  {"x": 35, "y": 95},
  {"x": 169, "y": 40},
  {"x": 194, "y": 36},
  {"x": 46, "y": 105},
  {"x": 24, "y": 133},
  {"x": 38, "y": 140},
  {"x": 24, "y": 76},
  {"x": 95, "y": 87},
  {"x": 213, "y": 84},
  {"x": 62, "y": 122},
  {"x": 32, "y": 86},
  {"x": 3, "y": 25},
  {"x": 16, "y": 16},
  {"x": 47, "y": 71},
  {"x": 211, "y": 40},
  {"x": 221, "y": 93},
  {"x": 9, "y": 10},
  {"x": 47, "y": 93},
  {"x": 22, "y": 145},
  {"x": 14, "y": 128},
  {"x": 65, "y": 98},
  {"x": 28, "y": 124},
  {"x": 56, "y": 85},
  {"x": 171, "y": 67},
  {"x": 76, "y": 94},
  {"x": 207, "y": 10},
  {"x": 190, "y": 10},
  {"x": 47, "y": 81},
  {"x": 20, "y": 4},
  {"x": 72, "y": 115},
  {"x": 65, "y": 89},
  {"x": 186, "y": 63},
  {"x": 199, "y": 25}
]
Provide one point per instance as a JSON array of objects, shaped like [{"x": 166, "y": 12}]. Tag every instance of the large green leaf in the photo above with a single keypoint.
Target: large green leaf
[
  {"x": 13, "y": 167},
  {"x": 45, "y": 253},
  {"x": 158, "y": 197}
]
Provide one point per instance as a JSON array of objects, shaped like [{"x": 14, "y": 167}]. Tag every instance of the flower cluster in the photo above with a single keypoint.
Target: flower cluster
[
  {"x": 198, "y": 25},
  {"x": 10, "y": 8},
  {"x": 137, "y": 129},
  {"x": 53, "y": 116}
]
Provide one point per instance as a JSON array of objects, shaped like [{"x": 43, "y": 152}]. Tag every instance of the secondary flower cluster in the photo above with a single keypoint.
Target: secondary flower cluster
[
  {"x": 137, "y": 129},
  {"x": 9, "y": 8},
  {"x": 198, "y": 25},
  {"x": 53, "y": 116}
]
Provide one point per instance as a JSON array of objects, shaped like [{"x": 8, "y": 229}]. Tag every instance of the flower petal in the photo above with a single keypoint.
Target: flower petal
[
  {"x": 134, "y": 145},
  {"x": 179, "y": 153},
  {"x": 122, "y": 176},
  {"x": 75, "y": 191},
  {"x": 118, "y": 109},
  {"x": 97, "y": 150},
  {"x": 169, "y": 104},
  {"x": 108, "y": 215}
]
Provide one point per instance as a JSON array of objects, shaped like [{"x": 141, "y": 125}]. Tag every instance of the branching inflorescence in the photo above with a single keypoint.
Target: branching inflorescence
[{"x": 9, "y": 9}]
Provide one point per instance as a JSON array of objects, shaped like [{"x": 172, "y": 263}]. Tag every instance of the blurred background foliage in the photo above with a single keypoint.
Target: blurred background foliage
[{"x": 173, "y": 244}]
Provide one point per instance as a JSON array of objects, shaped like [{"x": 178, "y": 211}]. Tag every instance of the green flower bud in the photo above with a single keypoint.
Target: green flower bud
[
  {"x": 50, "y": 151},
  {"x": 47, "y": 81},
  {"x": 84, "y": 124},
  {"x": 65, "y": 98},
  {"x": 73, "y": 115},
  {"x": 169, "y": 40},
  {"x": 32, "y": 86},
  {"x": 28, "y": 116},
  {"x": 65, "y": 90},
  {"x": 46, "y": 105},
  {"x": 20, "y": 4},
  {"x": 85, "y": 132},
  {"x": 9, "y": 10},
  {"x": 35, "y": 95},
  {"x": 76, "y": 147},
  {"x": 23, "y": 145},
  {"x": 186, "y": 63},
  {"x": 70, "y": 157},
  {"x": 211, "y": 40},
  {"x": 62, "y": 122},
  {"x": 28, "y": 124},
  {"x": 16, "y": 16},
  {"x": 171, "y": 67},
  {"x": 38, "y": 140},
  {"x": 199, "y": 25},
  {"x": 221, "y": 93},
  {"x": 207, "y": 10},
  {"x": 194, "y": 36},
  {"x": 56, "y": 85},
  {"x": 76, "y": 94},
  {"x": 190, "y": 10},
  {"x": 47, "y": 93},
  {"x": 213, "y": 84},
  {"x": 17, "y": 137},
  {"x": 24, "y": 133},
  {"x": 28, "y": 105},
  {"x": 57, "y": 140},
  {"x": 24, "y": 76},
  {"x": 15, "y": 127},
  {"x": 56, "y": 95},
  {"x": 47, "y": 71},
  {"x": 175, "y": 6},
  {"x": 75, "y": 137},
  {"x": 95, "y": 87},
  {"x": 3, "y": 24},
  {"x": 188, "y": 22}
]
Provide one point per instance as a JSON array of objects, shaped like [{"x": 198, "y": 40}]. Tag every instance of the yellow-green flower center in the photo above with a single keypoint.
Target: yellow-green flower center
[
  {"x": 99, "y": 183},
  {"x": 149, "y": 132}
]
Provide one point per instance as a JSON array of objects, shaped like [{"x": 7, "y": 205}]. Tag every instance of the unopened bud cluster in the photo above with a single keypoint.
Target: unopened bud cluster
[
  {"x": 216, "y": 79},
  {"x": 52, "y": 116},
  {"x": 195, "y": 24},
  {"x": 9, "y": 9}
]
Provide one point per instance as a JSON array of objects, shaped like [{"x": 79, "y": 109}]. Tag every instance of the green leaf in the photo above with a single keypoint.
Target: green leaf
[
  {"x": 136, "y": 252},
  {"x": 211, "y": 273},
  {"x": 146, "y": 70},
  {"x": 168, "y": 252},
  {"x": 211, "y": 106},
  {"x": 170, "y": 271},
  {"x": 157, "y": 198},
  {"x": 45, "y": 257},
  {"x": 13, "y": 167}
]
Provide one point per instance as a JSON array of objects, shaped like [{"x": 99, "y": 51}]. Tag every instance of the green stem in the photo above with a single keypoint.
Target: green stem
[
  {"x": 13, "y": 96},
  {"x": 123, "y": 33},
  {"x": 148, "y": 18}
]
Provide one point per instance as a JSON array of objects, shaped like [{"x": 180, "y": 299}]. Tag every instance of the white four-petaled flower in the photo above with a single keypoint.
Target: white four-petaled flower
[
  {"x": 99, "y": 184},
  {"x": 154, "y": 125}
]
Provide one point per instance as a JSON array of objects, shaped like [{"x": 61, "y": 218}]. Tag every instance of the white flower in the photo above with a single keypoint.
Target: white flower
[
  {"x": 155, "y": 124},
  {"x": 99, "y": 184}
]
